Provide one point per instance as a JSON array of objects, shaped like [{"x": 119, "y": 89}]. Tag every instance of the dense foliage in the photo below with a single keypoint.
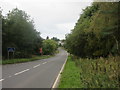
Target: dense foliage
[
  {"x": 96, "y": 33},
  {"x": 102, "y": 73},
  {"x": 18, "y": 31},
  {"x": 49, "y": 46}
]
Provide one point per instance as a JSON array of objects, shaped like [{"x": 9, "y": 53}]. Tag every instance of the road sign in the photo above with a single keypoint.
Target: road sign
[
  {"x": 11, "y": 49},
  {"x": 40, "y": 50}
]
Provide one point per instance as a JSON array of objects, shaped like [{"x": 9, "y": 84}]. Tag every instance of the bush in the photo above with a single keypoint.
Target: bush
[
  {"x": 22, "y": 54},
  {"x": 49, "y": 47}
]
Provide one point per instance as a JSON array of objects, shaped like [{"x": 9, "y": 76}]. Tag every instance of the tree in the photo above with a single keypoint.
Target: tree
[
  {"x": 55, "y": 39},
  {"x": 47, "y": 37},
  {"x": 96, "y": 33},
  {"x": 19, "y": 32},
  {"x": 49, "y": 47}
]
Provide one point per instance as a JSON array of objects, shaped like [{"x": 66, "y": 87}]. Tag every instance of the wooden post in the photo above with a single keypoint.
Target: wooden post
[
  {"x": 8, "y": 55},
  {"x": 13, "y": 54}
]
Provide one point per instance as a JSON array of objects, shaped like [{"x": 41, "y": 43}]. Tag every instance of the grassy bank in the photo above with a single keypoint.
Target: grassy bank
[
  {"x": 12, "y": 61},
  {"x": 70, "y": 76},
  {"x": 91, "y": 73}
]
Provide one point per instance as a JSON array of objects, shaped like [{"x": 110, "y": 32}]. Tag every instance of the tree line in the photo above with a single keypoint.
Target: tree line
[
  {"x": 97, "y": 31},
  {"x": 18, "y": 31}
]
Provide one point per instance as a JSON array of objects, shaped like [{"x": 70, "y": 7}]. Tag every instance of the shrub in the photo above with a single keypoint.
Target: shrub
[{"x": 49, "y": 47}]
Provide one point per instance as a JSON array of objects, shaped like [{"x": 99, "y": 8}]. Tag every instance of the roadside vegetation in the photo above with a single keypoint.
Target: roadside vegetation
[
  {"x": 21, "y": 60},
  {"x": 94, "y": 44},
  {"x": 49, "y": 47},
  {"x": 99, "y": 73},
  {"x": 91, "y": 73}
]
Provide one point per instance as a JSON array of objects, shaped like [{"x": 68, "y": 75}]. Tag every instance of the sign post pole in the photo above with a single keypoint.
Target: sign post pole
[
  {"x": 10, "y": 49},
  {"x": 8, "y": 55},
  {"x": 13, "y": 55}
]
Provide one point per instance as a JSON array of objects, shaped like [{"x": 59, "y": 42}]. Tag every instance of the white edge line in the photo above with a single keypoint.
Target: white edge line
[
  {"x": 1, "y": 80},
  {"x": 21, "y": 72},
  {"x": 58, "y": 77}
]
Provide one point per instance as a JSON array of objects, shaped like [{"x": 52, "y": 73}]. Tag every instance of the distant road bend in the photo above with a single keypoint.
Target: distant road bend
[{"x": 35, "y": 74}]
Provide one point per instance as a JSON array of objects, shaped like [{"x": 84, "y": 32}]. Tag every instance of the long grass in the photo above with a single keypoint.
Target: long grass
[{"x": 100, "y": 73}]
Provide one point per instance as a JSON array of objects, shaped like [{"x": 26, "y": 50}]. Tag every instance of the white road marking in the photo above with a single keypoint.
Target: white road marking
[
  {"x": 21, "y": 72},
  {"x": 36, "y": 66},
  {"x": 44, "y": 62},
  {"x": 1, "y": 80}
]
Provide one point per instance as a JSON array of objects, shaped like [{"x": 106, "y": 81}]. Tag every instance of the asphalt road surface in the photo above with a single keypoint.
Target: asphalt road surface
[{"x": 35, "y": 74}]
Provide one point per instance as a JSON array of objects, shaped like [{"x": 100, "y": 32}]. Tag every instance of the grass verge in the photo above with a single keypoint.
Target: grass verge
[
  {"x": 70, "y": 76},
  {"x": 12, "y": 61}
]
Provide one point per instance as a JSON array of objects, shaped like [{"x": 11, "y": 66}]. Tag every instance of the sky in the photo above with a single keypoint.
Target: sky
[{"x": 53, "y": 18}]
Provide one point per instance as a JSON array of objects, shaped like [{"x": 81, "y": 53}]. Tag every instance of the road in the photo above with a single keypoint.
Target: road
[{"x": 35, "y": 74}]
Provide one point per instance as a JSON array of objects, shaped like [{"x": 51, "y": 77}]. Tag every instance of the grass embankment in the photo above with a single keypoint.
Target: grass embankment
[
  {"x": 21, "y": 60},
  {"x": 70, "y": 77},
  {"x": 12, "y": 61},
  {"x": 92, "y": 73}
]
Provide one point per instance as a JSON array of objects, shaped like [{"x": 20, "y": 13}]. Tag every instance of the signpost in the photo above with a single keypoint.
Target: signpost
[{"x": 10, "y": 49}]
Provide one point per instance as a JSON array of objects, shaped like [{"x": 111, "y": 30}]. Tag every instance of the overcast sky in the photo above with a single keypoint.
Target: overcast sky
[{"x": 53, "y": 18}]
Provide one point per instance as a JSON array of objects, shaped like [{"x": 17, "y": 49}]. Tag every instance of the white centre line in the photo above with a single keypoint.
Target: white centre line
[
  {"x": 44, "y": 62},
  {"x": 21, "y": 72},
  {"x": 1, "y": 80},
  {"x": 36, "y": 66}
]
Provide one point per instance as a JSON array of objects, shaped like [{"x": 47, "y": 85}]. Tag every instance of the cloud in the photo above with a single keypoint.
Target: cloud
[{"x": 51, "y": 17}]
